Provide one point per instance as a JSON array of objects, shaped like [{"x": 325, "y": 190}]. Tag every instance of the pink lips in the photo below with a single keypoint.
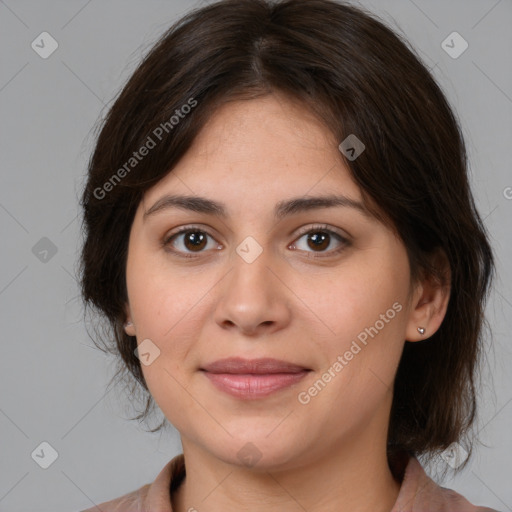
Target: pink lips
[{"x": 255, "y": 378}]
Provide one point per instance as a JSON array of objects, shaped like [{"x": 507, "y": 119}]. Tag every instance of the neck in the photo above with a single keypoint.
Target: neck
[{"x": 352, "y": 476}]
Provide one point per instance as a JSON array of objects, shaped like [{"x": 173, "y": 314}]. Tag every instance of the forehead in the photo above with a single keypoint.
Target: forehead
[{"x": 257, "y": 150}]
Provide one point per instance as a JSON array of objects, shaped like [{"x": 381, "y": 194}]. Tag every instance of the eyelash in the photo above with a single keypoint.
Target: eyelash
[{"x": 323, "y": 228}]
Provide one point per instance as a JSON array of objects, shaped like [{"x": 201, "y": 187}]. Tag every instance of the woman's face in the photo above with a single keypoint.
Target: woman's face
[{"x": 252, "y": 284}]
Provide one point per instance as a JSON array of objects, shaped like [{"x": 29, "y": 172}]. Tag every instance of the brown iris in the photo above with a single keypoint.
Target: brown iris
[
  {"x": 320, "y": 240},
  {"x": 197, "y": 240}
]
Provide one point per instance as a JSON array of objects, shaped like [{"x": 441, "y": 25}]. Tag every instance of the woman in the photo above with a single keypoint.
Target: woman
[{"x": 280, "y": 232}]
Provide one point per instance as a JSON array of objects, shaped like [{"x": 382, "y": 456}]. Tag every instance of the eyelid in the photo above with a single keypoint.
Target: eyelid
[
  {"x": 344, "y": 239},
  {"x": 302, "y": 231},
  {"x": 184, "y": 229},
  {"x": 323, "y": 227}
]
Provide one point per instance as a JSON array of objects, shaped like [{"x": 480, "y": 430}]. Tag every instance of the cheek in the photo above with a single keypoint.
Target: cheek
[
  {"x": 360, "y": 315},
  {"x": 170, "y": 308},
  {"x": 161, "y": 297},
  {"x": 352, "y": 298},
  {"x": 360, "y": 359},
  {"x": 159, "y": 312}
]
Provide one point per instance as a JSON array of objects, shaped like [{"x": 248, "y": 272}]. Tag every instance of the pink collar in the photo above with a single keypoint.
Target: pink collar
[{"x": 418, "y": 493}]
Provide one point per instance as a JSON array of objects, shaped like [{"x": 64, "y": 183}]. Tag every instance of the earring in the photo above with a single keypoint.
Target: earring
[
  {"x": 127, "y": 324},
  {"x": 421, "y": 330}
]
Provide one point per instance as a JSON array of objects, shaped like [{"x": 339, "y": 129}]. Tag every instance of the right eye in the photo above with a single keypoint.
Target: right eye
[{"x": 189, "y": 240}]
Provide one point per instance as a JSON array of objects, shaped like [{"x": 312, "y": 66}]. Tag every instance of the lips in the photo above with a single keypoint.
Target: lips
[
  {"x": 255, "y": 378},
  {"x": 238, "y": 365}
]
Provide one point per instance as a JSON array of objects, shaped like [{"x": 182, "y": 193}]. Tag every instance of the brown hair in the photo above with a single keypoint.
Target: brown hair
[{"x": 360, "y": 78}]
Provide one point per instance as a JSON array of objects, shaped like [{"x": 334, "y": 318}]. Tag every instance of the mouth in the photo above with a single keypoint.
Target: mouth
[{"x": 255, "y": 378}]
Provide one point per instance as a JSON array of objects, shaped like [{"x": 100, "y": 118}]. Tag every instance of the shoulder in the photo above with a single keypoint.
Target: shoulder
[
  {"x": 129, "y": 502},
  {"x": 419, "y": 493},
  {"x": 154, "y": 497}
]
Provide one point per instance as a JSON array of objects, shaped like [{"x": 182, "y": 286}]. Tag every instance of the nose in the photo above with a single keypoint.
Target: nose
[{"x": 253, "y": 298}]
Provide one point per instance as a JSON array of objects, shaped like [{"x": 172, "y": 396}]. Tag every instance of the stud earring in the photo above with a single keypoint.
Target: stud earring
[
  {"x": 127, "y": 324},
  {"x": 421, "y": 330}
]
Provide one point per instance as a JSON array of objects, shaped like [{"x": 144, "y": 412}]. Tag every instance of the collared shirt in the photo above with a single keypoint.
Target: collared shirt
[{"x": 418, "y": 493}]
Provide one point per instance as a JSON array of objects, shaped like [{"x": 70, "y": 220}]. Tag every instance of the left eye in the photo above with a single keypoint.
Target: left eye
[{"x": 320, "y": 239}]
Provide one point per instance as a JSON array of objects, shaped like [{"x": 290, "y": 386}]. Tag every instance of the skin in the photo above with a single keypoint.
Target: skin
[{"x": 294, "y": 302}]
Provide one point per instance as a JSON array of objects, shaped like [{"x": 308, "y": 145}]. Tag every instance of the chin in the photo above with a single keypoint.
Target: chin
[{"x": 258, "y": 452}]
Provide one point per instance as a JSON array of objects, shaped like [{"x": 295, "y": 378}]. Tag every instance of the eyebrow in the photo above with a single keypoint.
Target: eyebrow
[{"x": 282, "y": 209}]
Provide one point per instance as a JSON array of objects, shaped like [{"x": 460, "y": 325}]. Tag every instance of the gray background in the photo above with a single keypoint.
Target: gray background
[{"x": 52, "y": 379}]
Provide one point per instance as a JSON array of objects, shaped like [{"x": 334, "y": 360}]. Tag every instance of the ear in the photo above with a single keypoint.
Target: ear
[
  {"x": 430, "y": 300},
  {"x": 129, "y": 327}
]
